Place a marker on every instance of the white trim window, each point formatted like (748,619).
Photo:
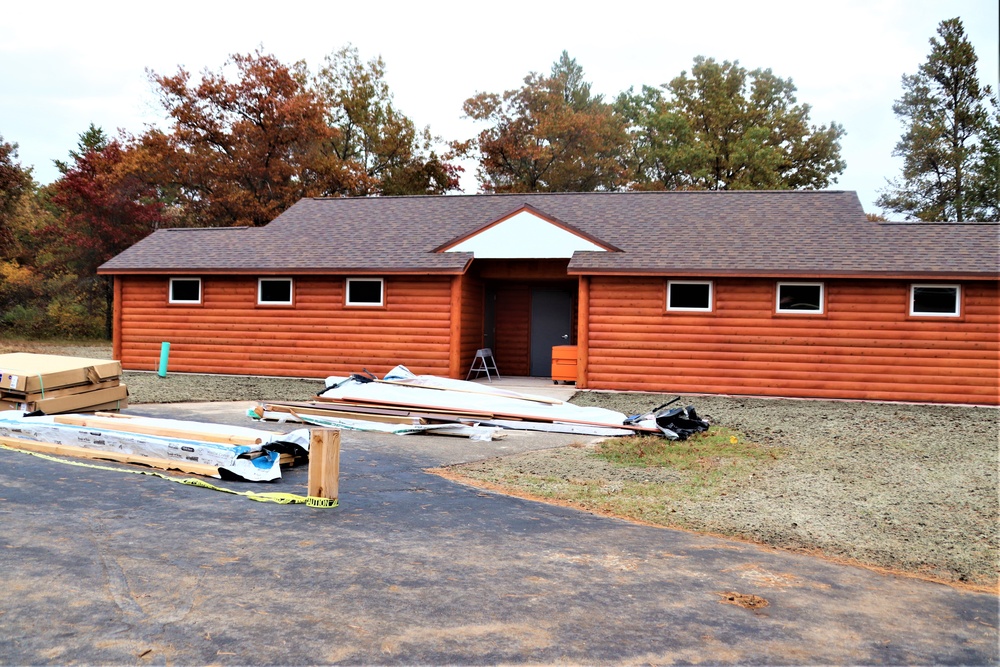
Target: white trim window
(936,300)
(694,296)
(800,298)
(365,292)
(274,291)
(184,290)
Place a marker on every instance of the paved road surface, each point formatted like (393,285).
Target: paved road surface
(111,568)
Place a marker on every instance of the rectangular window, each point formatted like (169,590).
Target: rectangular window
(365,292)
(185,290)
(274,291)
(805,298)
(689,295)
(935,300)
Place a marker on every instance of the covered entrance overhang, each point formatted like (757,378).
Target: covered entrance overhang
(528,308)
(516,296)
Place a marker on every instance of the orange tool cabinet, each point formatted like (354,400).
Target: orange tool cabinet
(564,363)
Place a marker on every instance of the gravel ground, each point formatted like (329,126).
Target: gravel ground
(905,487)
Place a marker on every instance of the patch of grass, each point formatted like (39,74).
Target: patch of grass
(651,478)
(708,461)
(702,451)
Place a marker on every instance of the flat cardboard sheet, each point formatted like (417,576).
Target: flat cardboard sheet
(111,398)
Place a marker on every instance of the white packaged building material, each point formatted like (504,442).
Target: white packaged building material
(258,461)
(402,388)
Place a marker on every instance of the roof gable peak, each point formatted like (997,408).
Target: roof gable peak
(526,233)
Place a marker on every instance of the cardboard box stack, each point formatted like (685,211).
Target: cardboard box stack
(55,384)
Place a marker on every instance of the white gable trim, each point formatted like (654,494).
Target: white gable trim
(525,235)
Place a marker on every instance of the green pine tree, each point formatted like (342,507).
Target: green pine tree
(949,147)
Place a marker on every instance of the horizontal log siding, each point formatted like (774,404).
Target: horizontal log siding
(472,319)
(316,337)
(865,347)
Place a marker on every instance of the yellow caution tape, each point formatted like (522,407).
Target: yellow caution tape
(277,497)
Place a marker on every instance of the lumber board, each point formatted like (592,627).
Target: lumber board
(389,406)
(323,403)
(416,404)
(292,409)
(121,457)
(512,394)
(559,427)
(129,426)
(324,463)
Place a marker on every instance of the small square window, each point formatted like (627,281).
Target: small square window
(687,295)
(274,291)
(935,300)
(185,290)
(365,292)
(804,298)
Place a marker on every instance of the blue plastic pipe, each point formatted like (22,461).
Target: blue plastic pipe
(164,355)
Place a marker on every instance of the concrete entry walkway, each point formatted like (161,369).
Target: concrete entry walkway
(103,567)
(531,385)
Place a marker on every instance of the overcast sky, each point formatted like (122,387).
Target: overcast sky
(64,65)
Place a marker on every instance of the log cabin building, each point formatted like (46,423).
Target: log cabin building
(777,293)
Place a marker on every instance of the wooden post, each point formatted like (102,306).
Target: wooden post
(455,330)
(583,333)
(116,320)
(324,463)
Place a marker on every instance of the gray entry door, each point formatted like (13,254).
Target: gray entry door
(551,323)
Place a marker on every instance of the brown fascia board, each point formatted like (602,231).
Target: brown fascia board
(797,275)
(422,271)
(541,214)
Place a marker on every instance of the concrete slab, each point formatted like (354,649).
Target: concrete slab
(531,385)
(112,568)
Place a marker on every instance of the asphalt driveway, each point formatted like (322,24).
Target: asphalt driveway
(112,568)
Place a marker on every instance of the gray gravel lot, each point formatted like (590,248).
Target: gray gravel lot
(905,487)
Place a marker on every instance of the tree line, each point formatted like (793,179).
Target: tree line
(243,143)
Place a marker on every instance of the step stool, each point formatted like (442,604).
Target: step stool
(484,363)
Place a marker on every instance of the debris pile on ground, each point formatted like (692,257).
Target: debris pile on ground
(53,384)
(674,424)
(402,403)
(167,444)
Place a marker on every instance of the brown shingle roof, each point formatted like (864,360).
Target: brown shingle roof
(745,232)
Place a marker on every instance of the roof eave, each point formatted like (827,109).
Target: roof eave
(340,271)
(886,275)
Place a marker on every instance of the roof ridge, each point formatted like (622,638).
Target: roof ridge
(631,193)
(205,229)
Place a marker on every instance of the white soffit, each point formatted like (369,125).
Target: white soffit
(524,235)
